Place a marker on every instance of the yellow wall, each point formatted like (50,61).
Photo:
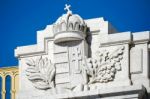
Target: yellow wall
(13,73)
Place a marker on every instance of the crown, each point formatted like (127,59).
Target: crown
(69,27)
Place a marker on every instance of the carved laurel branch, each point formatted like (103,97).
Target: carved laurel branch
(104,67)
(41,73)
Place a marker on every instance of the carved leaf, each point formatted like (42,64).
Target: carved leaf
(30,62)
(41,73)
(41,85)
(104,68)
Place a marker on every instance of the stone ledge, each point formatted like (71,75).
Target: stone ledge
(117,38)
(141,36)
(126,38)
(38,48)
(107,93)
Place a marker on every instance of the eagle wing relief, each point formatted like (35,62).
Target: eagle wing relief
(104,67)
(41,73)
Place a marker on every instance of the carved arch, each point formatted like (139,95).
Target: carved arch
(63,26)
(77,26)
(8,86)
(70,26)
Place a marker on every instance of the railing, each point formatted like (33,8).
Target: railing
(13,73)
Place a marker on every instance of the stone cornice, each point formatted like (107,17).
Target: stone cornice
(141,37)
(126,38)
(117,39)
(42,37)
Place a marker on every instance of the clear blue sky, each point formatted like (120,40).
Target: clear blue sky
(20,19)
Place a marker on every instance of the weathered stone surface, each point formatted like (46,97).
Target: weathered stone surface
(84,59)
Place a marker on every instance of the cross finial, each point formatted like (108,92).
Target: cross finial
(67,8)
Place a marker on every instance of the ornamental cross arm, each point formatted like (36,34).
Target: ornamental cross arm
(67,8)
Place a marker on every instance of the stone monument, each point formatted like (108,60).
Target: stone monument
(84,59)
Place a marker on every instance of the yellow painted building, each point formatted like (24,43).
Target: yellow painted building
(13,73)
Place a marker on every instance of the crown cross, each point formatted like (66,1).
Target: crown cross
(67,8)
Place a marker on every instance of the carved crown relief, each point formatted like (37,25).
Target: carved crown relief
(69,26)
(71,67)
(69,22)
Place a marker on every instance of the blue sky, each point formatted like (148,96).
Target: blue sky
(20,19)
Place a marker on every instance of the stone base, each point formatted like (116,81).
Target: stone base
(130,92)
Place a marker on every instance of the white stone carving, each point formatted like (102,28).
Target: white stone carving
(84,59)
(104,67)
(41,73)
(69,27)
(68,61)
(99,70)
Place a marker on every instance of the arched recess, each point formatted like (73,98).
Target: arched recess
(8,87)
(0,87)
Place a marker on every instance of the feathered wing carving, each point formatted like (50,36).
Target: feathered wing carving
(104,67)
(41,73)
